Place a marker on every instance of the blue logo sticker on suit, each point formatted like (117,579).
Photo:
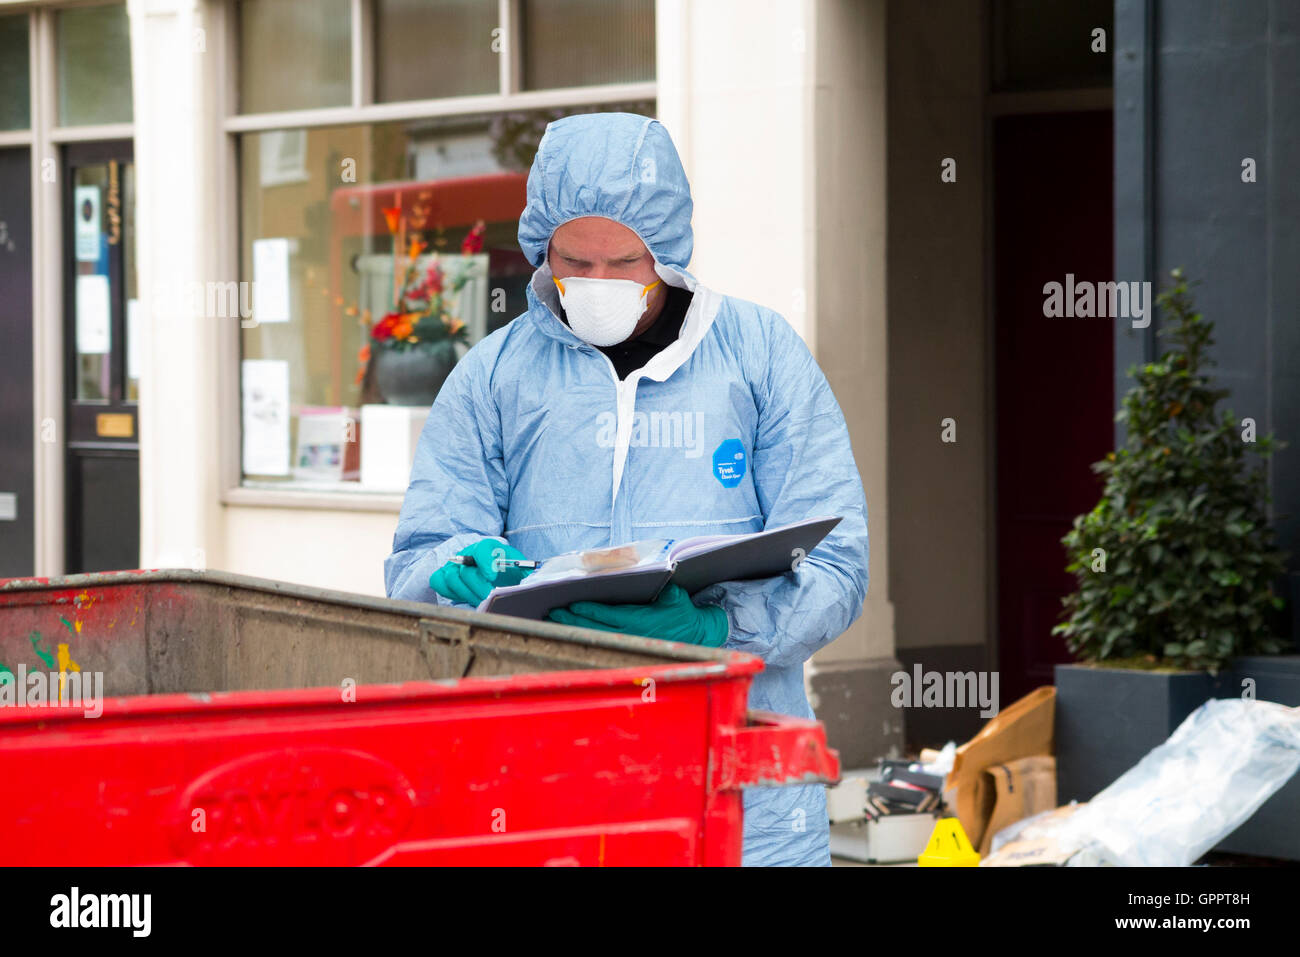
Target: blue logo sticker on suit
(729,463)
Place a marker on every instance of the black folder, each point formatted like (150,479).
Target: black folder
(692,563)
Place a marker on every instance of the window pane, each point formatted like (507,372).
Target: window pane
(426,49)
(294,54)
(587,42)
(15,88)
(94,65)
(92,283)
(328,216)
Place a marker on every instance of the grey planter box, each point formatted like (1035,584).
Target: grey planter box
(1273,830)
(1107,720)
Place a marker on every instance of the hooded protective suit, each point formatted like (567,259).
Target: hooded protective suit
(732,428)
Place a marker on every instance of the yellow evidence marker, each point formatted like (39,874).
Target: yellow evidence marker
(948,847)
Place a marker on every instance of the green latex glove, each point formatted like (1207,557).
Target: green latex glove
(674,617)
(471,583)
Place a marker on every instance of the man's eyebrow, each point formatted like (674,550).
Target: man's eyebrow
(625,258)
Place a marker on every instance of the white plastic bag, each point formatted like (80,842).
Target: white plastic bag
(1191,792)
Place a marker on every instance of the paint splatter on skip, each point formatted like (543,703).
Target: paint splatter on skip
(45,656)
(66,664)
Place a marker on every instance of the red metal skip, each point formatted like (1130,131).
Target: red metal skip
(638,764)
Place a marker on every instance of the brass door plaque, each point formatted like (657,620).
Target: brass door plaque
(115,425)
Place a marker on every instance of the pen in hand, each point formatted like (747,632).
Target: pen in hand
(469,562)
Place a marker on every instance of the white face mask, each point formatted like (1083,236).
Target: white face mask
(603,312)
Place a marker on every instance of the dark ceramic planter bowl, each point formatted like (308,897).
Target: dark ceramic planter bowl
(1107,719)
(413,376)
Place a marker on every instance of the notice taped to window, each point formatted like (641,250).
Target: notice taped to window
(265,389)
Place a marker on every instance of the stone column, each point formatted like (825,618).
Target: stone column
(180,194)
(849,680)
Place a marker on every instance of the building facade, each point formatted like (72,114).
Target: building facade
(206,206)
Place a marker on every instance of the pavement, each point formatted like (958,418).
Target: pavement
(845,862)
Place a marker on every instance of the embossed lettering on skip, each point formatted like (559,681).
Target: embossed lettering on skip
(303,805)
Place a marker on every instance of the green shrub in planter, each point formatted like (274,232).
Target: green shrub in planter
(1176,563)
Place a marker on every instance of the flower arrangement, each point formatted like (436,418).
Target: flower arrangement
(421,316)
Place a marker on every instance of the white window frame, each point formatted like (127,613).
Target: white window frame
(362,110)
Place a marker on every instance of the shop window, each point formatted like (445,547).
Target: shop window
(395,232)
(94,60)
(435,48)
(294,54)
(616,37)
(15,84)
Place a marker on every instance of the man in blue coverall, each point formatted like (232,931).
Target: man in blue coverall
(632,402)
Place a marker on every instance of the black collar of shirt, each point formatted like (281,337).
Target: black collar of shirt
(668,326)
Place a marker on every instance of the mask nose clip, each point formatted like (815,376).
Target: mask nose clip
(645,291)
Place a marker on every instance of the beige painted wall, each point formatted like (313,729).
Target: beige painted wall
(326,548)
(938,358)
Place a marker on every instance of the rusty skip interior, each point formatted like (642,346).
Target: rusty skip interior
(166,632)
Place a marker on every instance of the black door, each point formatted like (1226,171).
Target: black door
(17,522)
(101,379)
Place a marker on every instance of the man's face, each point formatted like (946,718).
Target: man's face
(597,248)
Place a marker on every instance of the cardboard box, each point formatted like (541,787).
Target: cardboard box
(1022,730)
(1022,788)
